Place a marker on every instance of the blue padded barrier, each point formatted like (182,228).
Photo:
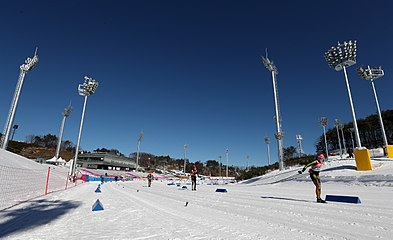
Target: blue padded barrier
(223,190)
(346,199)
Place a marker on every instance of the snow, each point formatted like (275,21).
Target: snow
(278,205)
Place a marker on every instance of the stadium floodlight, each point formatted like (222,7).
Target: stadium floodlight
(324,122)
(137,150)
(66,113)
(371,74)
(267,141)
(185,158)
(13,131)
(299,139)
(279,134)
(351,130)
(24,68)
(227,155)
(341,126)
(339,58)
(87,88)
(337,124)
(219,171)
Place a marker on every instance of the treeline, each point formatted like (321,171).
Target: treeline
(370,133)
(50,141)
(212,167)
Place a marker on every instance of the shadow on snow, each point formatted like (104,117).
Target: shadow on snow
(35,214)
(286,199)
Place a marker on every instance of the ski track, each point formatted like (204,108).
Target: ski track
(159,212)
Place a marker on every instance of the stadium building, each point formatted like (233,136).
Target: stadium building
(106,161)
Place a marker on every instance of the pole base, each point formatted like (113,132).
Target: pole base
(389,151)
(363,160)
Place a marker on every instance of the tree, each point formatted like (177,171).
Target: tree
(289,152)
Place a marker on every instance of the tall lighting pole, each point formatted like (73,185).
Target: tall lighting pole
(24,68)
(66,113)
(337,124)
(227,155)
(299,139)
(85,89)
(138,148)
(267,141)
(371,74)
(351,130)
(339,58)
(219,157)
(341,126)
(279,134)
(324,121)
(13,132)
(185,158)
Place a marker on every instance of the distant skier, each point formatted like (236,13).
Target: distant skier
(314,174)
(193,178)
(350,153)
(149,178)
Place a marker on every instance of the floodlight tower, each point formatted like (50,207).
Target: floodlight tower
(220,166)
(337,124)
(13,131)
(267,141)
(339,58)
(24,68)
(227,155)
(137,150)
(341,126)
(185,158)
(85,89)
(299,139)
(66,113)
(324,122)
(279,134)
(248,158)
(351,130)
(371,74)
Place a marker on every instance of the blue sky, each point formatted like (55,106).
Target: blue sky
(190,72)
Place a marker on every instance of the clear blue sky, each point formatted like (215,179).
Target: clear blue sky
(190,72)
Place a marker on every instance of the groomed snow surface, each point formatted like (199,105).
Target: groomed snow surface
(278,205)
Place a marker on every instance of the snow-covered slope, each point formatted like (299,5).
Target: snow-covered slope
(279,205)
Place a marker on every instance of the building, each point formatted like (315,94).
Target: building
(106,161)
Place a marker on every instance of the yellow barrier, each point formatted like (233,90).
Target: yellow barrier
(362,158)
(389,150)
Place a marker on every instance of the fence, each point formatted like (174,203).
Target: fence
(21,184)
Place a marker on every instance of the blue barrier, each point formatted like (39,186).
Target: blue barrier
(171,184)
(97,206)
(98,179)
(98,190)
(184,187)
(338,198)
(223,190)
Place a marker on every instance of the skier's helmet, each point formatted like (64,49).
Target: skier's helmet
(320,157)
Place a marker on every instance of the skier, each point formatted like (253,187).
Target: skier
(193,178)
(314,174)
(149,178)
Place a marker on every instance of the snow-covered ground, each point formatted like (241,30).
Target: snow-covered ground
(279,205)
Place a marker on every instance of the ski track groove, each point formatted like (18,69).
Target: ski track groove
(287,215)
